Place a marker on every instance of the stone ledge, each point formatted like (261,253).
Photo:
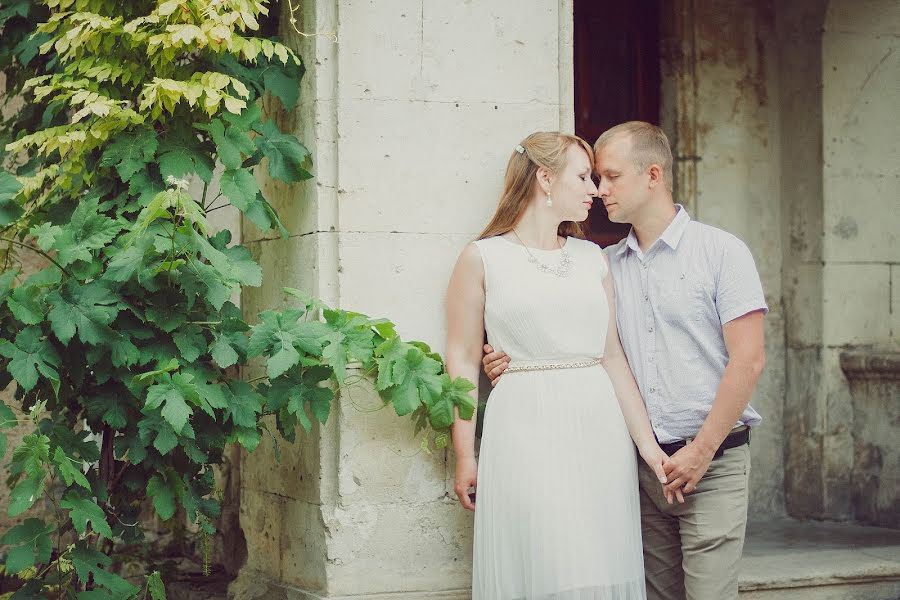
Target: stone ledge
(871,364)
(255,586)
(792,559)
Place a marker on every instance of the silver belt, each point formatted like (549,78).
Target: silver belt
(518,367)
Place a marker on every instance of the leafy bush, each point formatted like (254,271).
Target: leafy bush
(125,348)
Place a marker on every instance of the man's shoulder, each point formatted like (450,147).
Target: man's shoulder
(713,237)
(612,251)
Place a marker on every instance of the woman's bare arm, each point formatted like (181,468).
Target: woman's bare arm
(465,334)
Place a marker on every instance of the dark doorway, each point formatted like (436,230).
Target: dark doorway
(616,79)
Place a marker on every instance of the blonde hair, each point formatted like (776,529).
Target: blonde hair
(545,149)
(649,146)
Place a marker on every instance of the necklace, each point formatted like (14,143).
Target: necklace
(560,270)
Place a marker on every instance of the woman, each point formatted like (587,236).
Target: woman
(557,513)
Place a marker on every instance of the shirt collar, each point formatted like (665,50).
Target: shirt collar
(671,236)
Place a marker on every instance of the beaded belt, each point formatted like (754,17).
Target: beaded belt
(518,367)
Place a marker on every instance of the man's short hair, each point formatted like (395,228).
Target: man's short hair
(649,146)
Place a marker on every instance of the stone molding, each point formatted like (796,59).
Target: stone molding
(871,364)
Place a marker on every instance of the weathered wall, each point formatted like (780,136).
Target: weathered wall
(843,236)
(800,43)
(720,103)
(411,117)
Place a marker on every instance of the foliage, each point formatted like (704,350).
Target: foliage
(143,117)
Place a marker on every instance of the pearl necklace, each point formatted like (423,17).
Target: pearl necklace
(561,270)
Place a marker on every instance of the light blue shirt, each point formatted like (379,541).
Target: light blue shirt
(671,304)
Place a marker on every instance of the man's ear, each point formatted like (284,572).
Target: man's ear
(544,179)
(656,175)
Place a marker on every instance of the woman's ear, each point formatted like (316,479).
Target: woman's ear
(544,179)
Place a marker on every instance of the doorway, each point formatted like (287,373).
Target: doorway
(617,79)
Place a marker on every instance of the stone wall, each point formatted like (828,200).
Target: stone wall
(411,118)
(875,480)
(844,255)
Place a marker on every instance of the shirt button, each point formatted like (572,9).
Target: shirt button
(651,359)
(650,329)
(647,297)
(644,266)
(652,390)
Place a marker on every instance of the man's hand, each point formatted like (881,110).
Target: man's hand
(494,363)
(686,468)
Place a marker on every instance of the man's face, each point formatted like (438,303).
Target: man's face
(622,188)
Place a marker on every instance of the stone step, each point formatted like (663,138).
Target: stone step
(792,560)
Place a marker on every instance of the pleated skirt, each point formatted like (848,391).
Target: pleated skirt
(557,513)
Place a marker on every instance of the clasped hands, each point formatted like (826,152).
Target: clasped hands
(678,474)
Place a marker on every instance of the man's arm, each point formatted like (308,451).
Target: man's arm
(744,340)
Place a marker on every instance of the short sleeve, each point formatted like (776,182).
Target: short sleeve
(739,289)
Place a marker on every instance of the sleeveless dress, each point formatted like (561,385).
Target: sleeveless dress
(557,514)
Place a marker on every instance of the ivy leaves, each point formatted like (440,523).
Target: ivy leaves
(31,356)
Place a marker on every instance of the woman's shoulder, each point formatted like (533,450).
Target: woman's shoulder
(582,245)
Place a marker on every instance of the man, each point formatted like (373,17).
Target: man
(690,310)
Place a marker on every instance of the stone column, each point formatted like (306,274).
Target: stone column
(411,117)
(843,267)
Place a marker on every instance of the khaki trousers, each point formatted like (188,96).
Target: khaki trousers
(692,551)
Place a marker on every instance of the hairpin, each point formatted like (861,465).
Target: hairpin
(520,149)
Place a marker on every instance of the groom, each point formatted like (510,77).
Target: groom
(690,309)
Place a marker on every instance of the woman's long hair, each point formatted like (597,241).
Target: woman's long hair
(542,149)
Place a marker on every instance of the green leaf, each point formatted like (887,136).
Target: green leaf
(31,455)
(181,156)
(414,377)
(7,416)
(69,469)
(155,586)
(115,416)
(170,390)
(30,355)
(86,231)
(166,439)
(240,187)
(190,342)
(335,354)
(223,352)
(129,153)
(45,235)
(124,263)
(83,511)
(163,497)
(232,144)
(457,392)
(88,308)
(10,210)
(32,545)
(288,158)
(23,496)
(91,563)
(26,303)
(282,85)
(243,404)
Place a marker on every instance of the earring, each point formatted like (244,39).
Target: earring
(549,200)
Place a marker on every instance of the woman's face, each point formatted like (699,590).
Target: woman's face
(573,190)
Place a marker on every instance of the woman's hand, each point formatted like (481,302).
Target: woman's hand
(466,477)
(656,459)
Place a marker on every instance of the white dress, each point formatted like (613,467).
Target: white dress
(557,515)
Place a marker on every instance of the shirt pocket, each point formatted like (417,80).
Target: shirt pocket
(681,298)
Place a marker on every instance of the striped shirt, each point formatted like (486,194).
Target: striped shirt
(671,304)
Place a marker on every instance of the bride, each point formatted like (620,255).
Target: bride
(555,484)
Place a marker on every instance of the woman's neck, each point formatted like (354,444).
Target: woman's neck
(537,230)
